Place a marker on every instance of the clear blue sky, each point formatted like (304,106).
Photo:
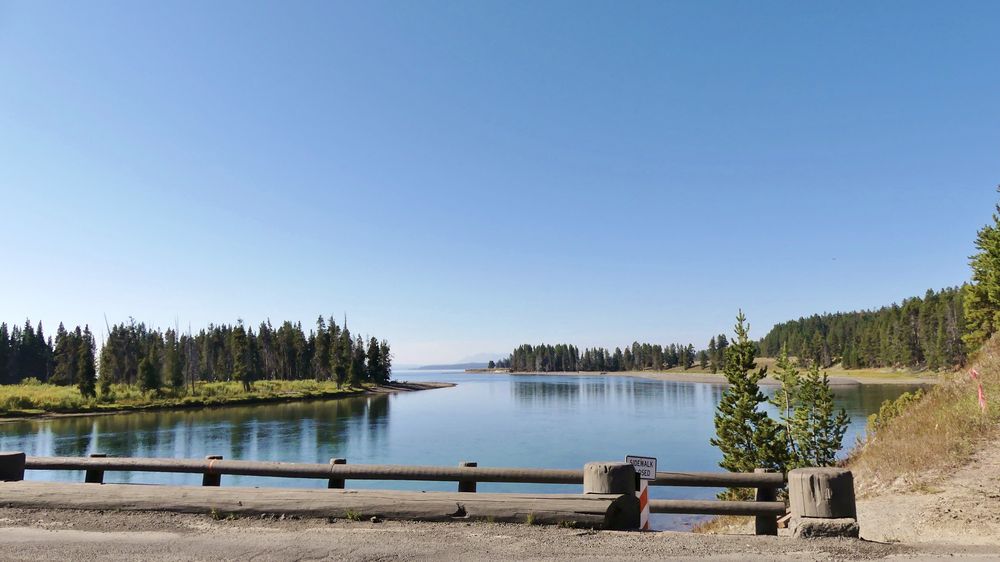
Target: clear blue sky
(461,177)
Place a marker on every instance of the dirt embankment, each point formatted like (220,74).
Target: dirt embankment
(963,508)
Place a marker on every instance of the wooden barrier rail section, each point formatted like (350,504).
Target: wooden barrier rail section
(588,510)
(394,472)
(717,507)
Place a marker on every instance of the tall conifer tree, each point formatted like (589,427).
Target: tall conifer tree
(982,296)
(745,434)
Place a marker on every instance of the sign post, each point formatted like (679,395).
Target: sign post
(646,468)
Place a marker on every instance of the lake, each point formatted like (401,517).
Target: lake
(495,420)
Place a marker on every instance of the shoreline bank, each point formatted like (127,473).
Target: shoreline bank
(703,377)
(389,388)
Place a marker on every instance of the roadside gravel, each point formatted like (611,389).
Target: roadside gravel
(87,535)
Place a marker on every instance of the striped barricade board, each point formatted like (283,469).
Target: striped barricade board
(646,467)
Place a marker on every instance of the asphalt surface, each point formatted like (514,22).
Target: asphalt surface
(89,535)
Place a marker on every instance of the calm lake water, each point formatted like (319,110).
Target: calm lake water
(496,420)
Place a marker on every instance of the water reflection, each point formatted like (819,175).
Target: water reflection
(535,421)
(309,431)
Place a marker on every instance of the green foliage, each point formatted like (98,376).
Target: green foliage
(812,428)
(32,397)
(149,376)
(218,353)
(379,361)
(357,372)
(891,409)
(174,361)
(920,333)
(240,349)
(982,296)
(747,437)
(86,369)
(566,357)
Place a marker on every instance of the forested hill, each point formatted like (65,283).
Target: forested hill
(920,332)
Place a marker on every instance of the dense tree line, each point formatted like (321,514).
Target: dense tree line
(920,332)
(982,295)
(137,355)
(26,353)
(637,357)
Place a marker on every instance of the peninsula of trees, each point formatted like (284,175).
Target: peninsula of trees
(158,362)
(637,357)
(921,333)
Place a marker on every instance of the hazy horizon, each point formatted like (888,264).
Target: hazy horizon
(462,178)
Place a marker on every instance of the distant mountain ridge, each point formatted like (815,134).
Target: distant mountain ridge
(459,366)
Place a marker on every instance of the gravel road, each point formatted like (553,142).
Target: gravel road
(87,535)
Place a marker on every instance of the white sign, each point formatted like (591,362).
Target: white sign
(645,466)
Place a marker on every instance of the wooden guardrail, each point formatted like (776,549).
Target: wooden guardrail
(467,475)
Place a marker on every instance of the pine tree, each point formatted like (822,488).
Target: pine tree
(321,351)
(149,373)
(745,435)
(713,356)
(982,296)
(341,360)
(689,357)
(4,354)
(238,345)
(374,356)
(385,361)
(357,373)
(785,398)
(721,343)
(86,369)
(66,355)
(817,426)
(175,361)
(812,428)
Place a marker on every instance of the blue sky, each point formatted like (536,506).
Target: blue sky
(461,177)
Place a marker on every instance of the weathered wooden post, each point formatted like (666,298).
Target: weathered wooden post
(211,478)
(822,503)
(616,478)
(766,524)
(467,485)
(95,475)
(12,466)
(336,483)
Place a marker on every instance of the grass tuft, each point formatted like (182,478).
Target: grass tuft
(33,398)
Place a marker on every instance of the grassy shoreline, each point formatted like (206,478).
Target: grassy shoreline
(23,401)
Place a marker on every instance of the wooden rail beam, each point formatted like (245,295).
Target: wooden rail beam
(717,507)
(391,472)
(590,510)
(311,470)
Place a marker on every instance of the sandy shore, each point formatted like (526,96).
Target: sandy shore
(718,378)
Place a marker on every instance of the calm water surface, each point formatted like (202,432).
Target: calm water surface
(496,420)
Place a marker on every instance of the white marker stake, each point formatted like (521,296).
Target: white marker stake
(643,494)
